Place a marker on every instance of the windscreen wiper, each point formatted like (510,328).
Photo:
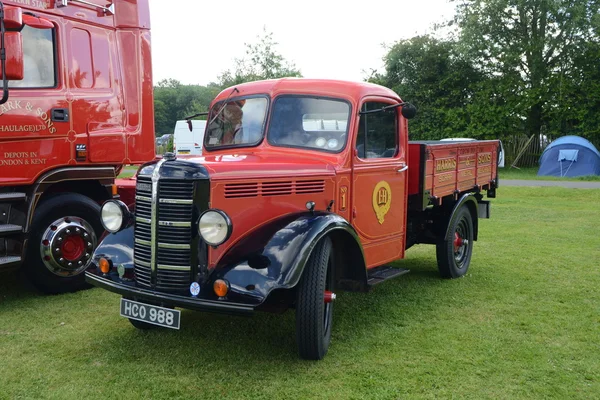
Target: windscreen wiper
(224,104)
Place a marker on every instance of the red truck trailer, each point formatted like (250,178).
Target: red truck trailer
(305,187)
(77,105)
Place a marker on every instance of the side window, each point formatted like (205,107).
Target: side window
(377,132)
(38,49)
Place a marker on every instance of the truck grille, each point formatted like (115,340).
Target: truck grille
(174,234)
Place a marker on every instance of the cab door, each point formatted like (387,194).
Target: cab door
(34,122)
(379,181)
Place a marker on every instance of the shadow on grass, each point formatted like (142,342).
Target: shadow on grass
(206,337)
(15,288)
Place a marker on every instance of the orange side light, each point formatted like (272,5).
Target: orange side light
(115,190)
(104,265)
(221,287)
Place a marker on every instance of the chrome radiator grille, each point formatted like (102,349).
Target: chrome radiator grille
(174,209)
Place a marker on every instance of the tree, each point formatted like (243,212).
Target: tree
(262,61)
(528,47)
(174,101)
(431,74)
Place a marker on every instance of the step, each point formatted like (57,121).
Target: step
(383,273)
(12,197)
(6,261)
(9,229)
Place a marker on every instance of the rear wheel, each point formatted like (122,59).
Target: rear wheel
(63,237)
(314,307)
(454,253)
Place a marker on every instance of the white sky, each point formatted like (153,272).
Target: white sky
(193,41)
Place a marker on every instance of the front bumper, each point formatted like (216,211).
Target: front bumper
(166,299)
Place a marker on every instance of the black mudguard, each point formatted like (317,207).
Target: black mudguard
(469,200)
(117,247)
(271,257)
(274,256)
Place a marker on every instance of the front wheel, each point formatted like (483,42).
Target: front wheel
(64,234)
(314,307)
(454,253)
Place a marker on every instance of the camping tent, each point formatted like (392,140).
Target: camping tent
(570,156)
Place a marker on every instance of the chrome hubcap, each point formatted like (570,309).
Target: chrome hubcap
(67,246)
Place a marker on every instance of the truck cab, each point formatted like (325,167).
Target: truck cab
(76,106)
(305,188)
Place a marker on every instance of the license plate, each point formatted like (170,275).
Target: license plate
(161,316)
(184,152)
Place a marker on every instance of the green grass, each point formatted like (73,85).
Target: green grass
(128,171)
(524,323)
(530,173)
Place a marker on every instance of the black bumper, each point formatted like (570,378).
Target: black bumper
(166,299)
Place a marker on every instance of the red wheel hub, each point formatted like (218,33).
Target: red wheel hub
(329,297)
(73,248)
(458,241)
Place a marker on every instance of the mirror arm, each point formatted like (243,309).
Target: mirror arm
(382,109)
(196,115)
(189,119)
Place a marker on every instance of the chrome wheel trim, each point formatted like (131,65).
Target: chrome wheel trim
(51,246)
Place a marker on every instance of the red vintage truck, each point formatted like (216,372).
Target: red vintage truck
(76,106)
(305,187)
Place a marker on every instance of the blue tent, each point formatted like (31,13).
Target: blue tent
(570,156)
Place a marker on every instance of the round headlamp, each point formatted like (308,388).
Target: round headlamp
(113,215)
(214,227)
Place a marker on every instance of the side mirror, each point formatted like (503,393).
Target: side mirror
(13,66)
(11,43)
(409,111)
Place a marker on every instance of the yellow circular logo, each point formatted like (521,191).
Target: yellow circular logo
(382,199)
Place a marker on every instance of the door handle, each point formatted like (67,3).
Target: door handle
(403,168)
(60,114)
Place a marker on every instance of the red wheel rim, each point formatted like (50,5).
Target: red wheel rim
(458,242)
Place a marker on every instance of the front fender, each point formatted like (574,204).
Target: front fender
(117,247)
(274,256)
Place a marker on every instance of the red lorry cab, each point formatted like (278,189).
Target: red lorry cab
(305,188)
(79,106)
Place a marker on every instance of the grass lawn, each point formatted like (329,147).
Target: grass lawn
(523,323)
(530,173)
(128,171)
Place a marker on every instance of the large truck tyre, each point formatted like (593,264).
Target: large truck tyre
(63,235)
(313,313)
(454,253)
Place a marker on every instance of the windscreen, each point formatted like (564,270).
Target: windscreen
(236,123)
(309,122)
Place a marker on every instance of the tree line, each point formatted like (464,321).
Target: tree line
(499,68)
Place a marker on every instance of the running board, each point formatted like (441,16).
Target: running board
(11,197)
(383,273)
(10,261)
(10,229)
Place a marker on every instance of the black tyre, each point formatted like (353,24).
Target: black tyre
(314,316)
(141,325)
(454,254)
(64,233)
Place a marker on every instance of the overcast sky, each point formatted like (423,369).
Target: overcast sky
(195,40)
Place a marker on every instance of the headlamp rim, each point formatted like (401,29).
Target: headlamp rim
(124,211)
(227,221)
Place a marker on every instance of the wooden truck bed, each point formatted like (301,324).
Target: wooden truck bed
(442,168)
